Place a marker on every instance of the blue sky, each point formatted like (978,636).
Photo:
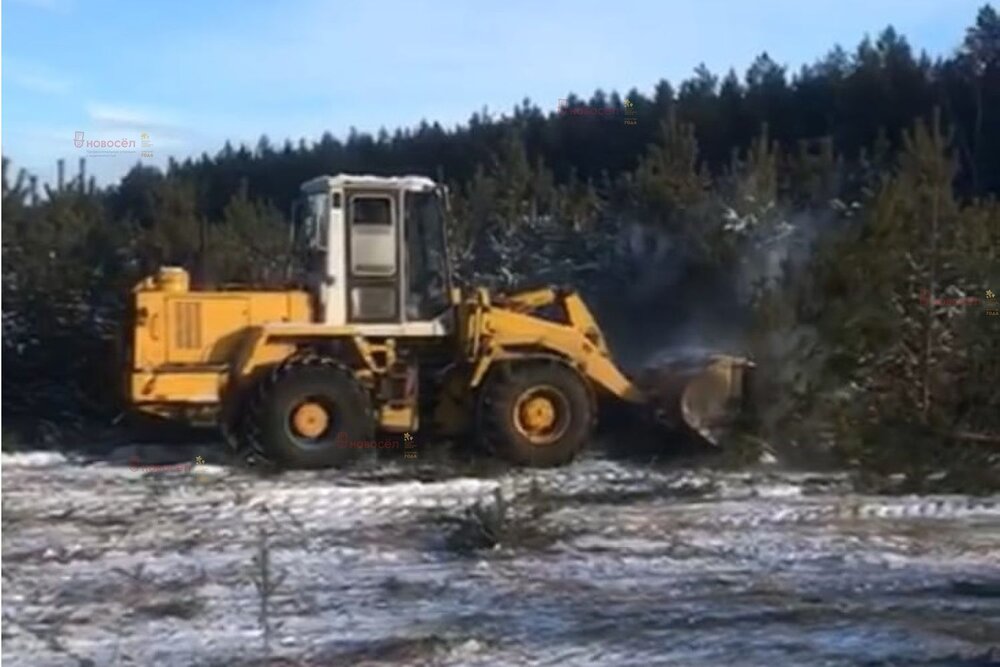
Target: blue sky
(193,74)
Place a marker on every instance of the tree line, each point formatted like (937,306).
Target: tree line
(838,223)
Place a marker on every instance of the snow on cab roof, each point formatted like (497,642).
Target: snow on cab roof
(410,182)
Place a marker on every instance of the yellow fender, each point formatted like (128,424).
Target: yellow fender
(509,330)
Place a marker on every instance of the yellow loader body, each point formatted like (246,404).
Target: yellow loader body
(183,343)
(193,349)
(382,341)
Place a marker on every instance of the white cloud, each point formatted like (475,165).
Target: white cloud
(130,118)
(36,78)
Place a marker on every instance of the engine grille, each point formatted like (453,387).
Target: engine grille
(187,331)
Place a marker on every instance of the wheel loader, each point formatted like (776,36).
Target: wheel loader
(377,340)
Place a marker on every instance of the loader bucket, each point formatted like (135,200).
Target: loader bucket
(699,395)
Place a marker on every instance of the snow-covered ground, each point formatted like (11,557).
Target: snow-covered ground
(598,563)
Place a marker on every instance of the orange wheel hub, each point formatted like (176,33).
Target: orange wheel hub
(310,419)
(539,415)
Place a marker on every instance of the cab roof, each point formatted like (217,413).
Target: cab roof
(325,183)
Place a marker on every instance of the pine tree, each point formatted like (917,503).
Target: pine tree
(670,186)
(897,310)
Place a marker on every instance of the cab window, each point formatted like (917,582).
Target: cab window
(371,211)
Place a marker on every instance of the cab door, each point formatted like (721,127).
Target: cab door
(373,256)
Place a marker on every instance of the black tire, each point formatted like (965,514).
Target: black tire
(501,400)
(315,380)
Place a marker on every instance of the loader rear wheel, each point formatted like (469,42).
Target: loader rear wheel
(536,414)
(311,413)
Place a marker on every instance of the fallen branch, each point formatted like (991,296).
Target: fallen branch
(992,438)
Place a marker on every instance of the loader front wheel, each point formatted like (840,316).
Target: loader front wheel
(535,414)
(311,414)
